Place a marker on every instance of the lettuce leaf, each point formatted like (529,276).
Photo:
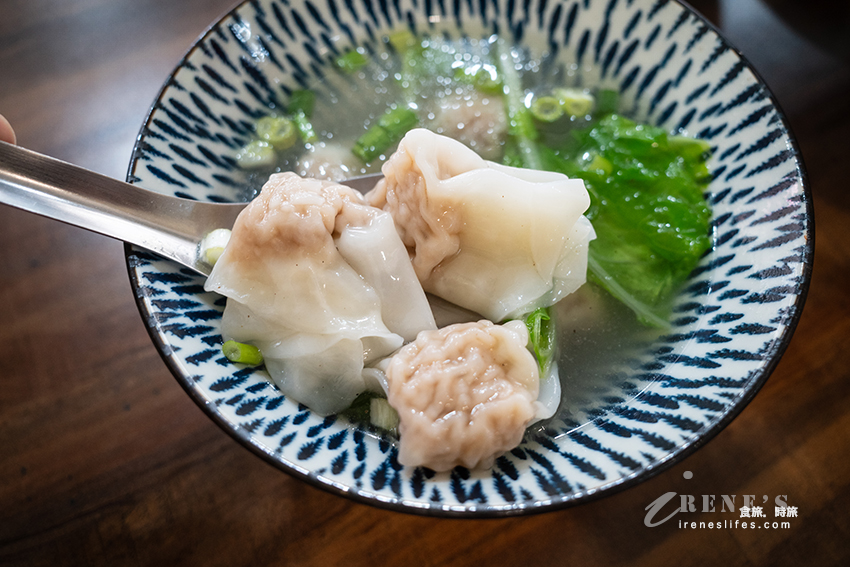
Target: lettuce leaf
(647,206)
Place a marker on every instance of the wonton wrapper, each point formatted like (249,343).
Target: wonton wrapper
(500,241)
(320,283)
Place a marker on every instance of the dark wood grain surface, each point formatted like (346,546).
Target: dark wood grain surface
(104,460)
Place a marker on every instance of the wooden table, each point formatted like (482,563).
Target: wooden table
(104,460)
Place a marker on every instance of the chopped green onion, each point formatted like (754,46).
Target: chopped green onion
(398,121)
(213,245)
(256,154)
(212,254)
(278,131)
(547,108)
(607,101)
(575,102)
(242,353)
(371,408)
(382,415)
(389,129)
(352,61)
(371,144)
(305,127)
(300,108)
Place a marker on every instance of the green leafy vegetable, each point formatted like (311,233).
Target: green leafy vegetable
(647,207)
(541,337)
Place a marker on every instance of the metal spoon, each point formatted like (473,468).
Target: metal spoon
(169,226)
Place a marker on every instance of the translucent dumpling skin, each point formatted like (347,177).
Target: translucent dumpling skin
(321,283)
(330,161)
(476,120)
(464,394)
(497,240)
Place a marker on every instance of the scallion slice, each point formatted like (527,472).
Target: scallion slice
(242,353)
(278,131)
(547,108)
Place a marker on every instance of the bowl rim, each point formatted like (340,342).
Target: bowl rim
(675,456)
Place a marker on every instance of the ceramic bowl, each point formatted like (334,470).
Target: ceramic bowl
(731,323)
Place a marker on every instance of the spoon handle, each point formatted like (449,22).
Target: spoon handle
(169,226)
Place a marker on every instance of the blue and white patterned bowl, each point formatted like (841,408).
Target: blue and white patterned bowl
(732,322)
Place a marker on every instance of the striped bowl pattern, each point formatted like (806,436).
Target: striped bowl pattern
(731,323)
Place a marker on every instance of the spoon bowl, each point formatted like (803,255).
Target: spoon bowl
(172,227)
